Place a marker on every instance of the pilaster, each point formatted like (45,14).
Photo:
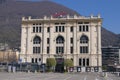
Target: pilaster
(52,41)
(68,38)
(44,39)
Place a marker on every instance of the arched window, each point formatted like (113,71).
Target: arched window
(84,39)
(59,40)
(36,48)
(84,48)
(36,40)
(60,45)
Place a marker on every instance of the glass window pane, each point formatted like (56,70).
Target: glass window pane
(33,29)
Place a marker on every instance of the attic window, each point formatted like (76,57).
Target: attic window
(80,22)
(62,23)
(56,23)
(86,22)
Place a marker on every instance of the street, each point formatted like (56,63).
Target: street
(55,76)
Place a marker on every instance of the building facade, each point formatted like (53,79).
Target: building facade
(111,58)
(70,37)
(8,56)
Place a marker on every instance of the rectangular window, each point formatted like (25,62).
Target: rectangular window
(83,62)
(87,62)
(62,23)
(71,40)
(48,29)
(84,49)
(36,29)
(56,23)
(38,50)
(56,28)
(87,28)
(39,29)
(32,60)
(57,50)
(39,59)
(71,29)
(79,62)
(86,22)
(71,50)
(80,28)
(33,50)
(62,28)
(35,60)
(33,29)
(87,49)
(48,50)
(83,28)
(80,49)
(48,40)
(80,22)
(62,50)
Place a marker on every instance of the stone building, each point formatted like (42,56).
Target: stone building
(8,56)
(64,37)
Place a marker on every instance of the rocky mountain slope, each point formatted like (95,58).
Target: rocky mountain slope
(11,12)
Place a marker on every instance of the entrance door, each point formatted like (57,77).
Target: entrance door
(60,65)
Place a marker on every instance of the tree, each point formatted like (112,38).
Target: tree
(51,63)
(68,63)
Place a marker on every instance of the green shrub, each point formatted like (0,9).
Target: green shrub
(68,63)
(51,63)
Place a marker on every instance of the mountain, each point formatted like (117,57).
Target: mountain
(118,42)
(109,38)
(11,12)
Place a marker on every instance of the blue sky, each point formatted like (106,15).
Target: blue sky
(108,9)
